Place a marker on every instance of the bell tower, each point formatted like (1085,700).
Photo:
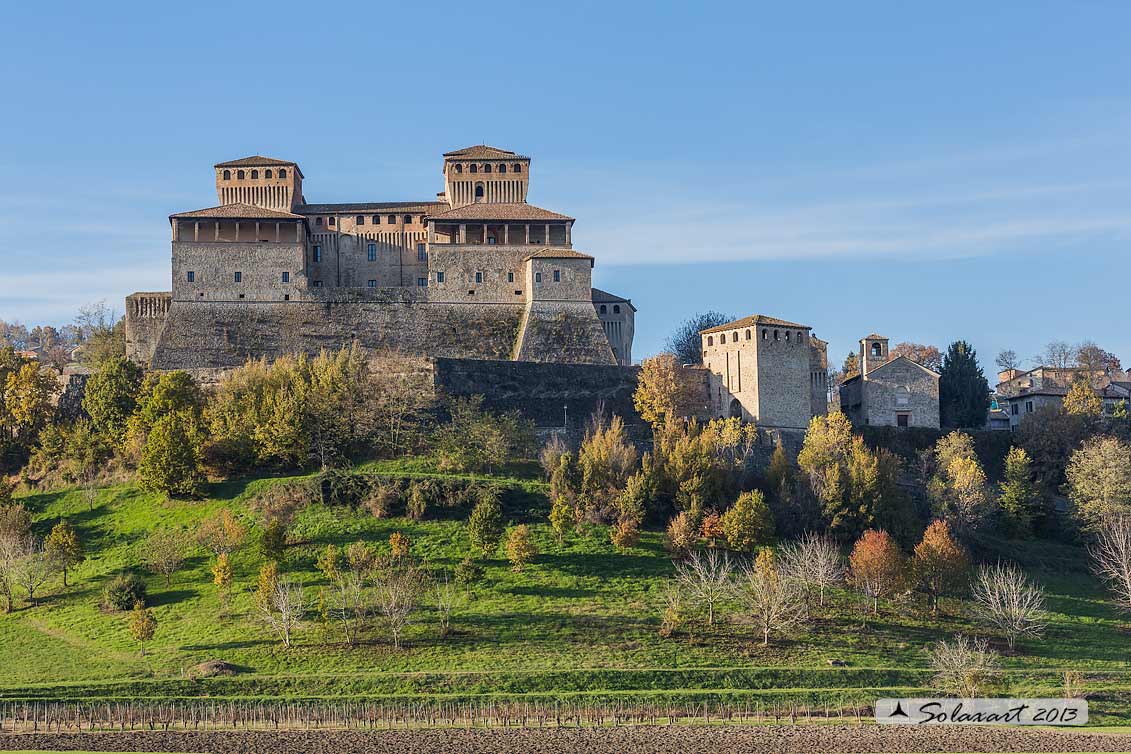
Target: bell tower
(485,175)
(261,182)
(873,352)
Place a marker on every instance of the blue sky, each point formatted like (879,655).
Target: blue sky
(930,172)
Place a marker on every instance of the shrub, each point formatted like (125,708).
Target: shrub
(468,572)
(625,533)
(273,540)
(682,534)
(399,544)
(382,498)
(520,547)
(748,523)
(417,500)
(485,525)
(123,591)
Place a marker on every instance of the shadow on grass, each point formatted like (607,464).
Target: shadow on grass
(549,591)
(245,644)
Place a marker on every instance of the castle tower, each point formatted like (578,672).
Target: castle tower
(484,175)
(873,352)
(261,182)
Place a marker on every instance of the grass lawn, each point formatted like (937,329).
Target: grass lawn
(581,621)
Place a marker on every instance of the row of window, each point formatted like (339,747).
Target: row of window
(420,282)
(360,220)
(605,309)
(237,277)
(765,336)
(474,168)
(240,175)
(371,252)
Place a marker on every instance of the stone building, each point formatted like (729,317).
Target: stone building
(477,273)
(766,370)
(1021,393)
(891,392)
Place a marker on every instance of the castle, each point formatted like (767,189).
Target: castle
(478,273)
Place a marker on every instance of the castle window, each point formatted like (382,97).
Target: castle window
(510,277)
(317,283)
(710,340)
(255,174)
(479,191)
(239,277)
(502,168)
(282,172)
(734,337)
(359,220)
(286,297)
(421,282)
(722,338)
(748,335)
(239,175)
(800,337)
(765,334)
(421,253)
(371,252)
(376,220)
(474,168)
(776,335)
(227,175)
(440,276)
(330,220)
(479,277)
(191,276)
(266,173)
(286,277)
(604,309)
(557,276)
(459,168)
(370,283)
(537,277)
(518,168)
(407,219)
(787,336)
(317,252)
(318,221)
(486,168)
(616,308)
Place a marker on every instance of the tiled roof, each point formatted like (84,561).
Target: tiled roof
(601,296)
(556,254)
(363,207)
(874,336)
(486,211)
(254,160)
(485,152)
(755,319)
(238,212)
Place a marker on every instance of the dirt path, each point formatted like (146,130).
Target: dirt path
(626,740)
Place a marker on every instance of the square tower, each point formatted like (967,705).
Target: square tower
(873,352)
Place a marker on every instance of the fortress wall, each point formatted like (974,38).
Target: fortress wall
(261,266)
(460,263)
(145,319)
(560,331)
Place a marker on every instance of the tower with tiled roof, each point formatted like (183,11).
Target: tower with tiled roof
(484,174)
(261,182)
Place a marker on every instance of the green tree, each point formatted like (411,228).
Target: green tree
(170,459)
(964,393)
(273,540)
(28,401)
(1018,495)
(142,625)
(63,548)
(564,489)
(748,523)
(222,576)
(662,391)
(110,396)
(520,547)
(686,343)
(1099,480)
(474,439)
(1083,400)
(485,525)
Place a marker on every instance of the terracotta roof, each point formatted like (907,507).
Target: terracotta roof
(556,254)
(485,152)
(755,319)
(239,212)
(486,211)
(874,336)
(363,207)
(254,160)
(602,296)
(896,359)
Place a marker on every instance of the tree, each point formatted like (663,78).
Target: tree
(851,366)
(1018,496)
(163,552)
(1057,354)
(170,459)
(1099,480)
(485,525)
(221,533)
(281,602)
(100,332)
(877,566)
(706,579)
(520,548)
(605,461)
(1110,553)
(663,392)
(957,487)
(273,540)
(1007,360)
(1010,602)
(348,575)
(1083,400)
(964,668)
(64,548)
(748,523)
(1096,361)
(28,401)
(565,488)
(814,562)
(398,588)
(964,393)
(630,508)
(939,563)
(33,568)
(682,534)
(222,578)
(923,355)
(474,439)
(142,625)
(110,396)
(774,602)
(686,344)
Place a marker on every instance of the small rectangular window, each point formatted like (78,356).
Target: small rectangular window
(317,252)
(317,283)
(422,282)
(440,276)
(510,277)
(537,277)
(376,219)
(318,221)
(421,253)
(286,277)
(372,252)
(330,221)
(1014,407)
(479,277)
(371,284)
(1028,407)
(239,277)
(392,219)
(557,276)
(191,276)
(359,220)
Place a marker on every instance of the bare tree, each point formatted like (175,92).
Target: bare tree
(445,597)
(1007,360)
(964,667)
(815,562)
(1111,557)
(1058,354)
(163,552)
(10,550)
(283,607)
(706,578)
(33,567)
(1010,602)
(776,603)
(399,586)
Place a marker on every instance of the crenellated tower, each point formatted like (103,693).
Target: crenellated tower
(261,182)
(483,174)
